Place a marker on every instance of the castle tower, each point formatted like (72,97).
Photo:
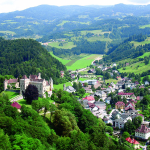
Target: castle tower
(24,82)
(5,84)
(51,84)
(39,75)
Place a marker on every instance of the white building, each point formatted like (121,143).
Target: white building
(142,132)
(42,85)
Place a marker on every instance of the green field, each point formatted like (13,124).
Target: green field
(137,68)
(147,41)
(65,21)
(111,80)
(60,86)
(66,45)
(145,26)
(23,102)
(11,94)
(83,62)
(145,54)
(8,32)
(64,61)
(98,38)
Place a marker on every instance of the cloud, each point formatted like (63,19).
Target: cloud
(140,1)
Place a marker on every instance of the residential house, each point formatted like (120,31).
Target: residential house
(107,120)
(134,143)
(120,105)
(101,94)
(113,85)
(136,83)
(107,100)
(141,87)
(87,90)
(91,71)
(119,85)
(129,106)
(73,76)
(142,132)
(89,82)
(126,95)
(129,85)
(100,105)
(116,114)
(90,99)
(70,89)
(11,83)
(146,83)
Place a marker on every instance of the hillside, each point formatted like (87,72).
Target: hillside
(19,57)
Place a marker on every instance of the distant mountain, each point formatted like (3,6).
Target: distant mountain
(45,19)
(21,56)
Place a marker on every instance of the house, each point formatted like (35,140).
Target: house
(126,95)
(146,83)
(127,64)
(91,71)
(115,115)
(107,100)
(11,83)
(101,94)
(142,132)
(120,105)
(136,83)
(90,99)
(15,104)
(139,98)
(129,84)
(87,90)
(121,121)
(114,65)
(113,85)
(100,105)
(73,76)
(70,89)
(89,82)
(134,143)
(129,106)
(141,87)
(42,85)
(61,74)
(107,120)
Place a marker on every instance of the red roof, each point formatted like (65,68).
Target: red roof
(91,105)
(120,103)
(15,104)
(24,77)
(121,93)
(89,98)
(12,80)
(142,129)
(132,141)
(33,76)
(138,98)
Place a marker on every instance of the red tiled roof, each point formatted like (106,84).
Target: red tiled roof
(120,103)
(138,98)
(15,104)
(132,141)
(121,93)
(33,76)
(91,105)
(12,80)
(142,129)
(24,77)
(89,98)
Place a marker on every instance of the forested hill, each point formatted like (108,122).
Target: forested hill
(128,49)
(27,56)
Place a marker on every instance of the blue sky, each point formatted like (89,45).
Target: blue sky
(13,5)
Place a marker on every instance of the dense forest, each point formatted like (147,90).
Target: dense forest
(70,127)
(21,56)
(126,49)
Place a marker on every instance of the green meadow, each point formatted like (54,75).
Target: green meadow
(60,86)
(147,41)
(144,55)
(7,32)
(93,31)
(11,94)
(145,26)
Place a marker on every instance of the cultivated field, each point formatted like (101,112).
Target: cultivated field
(147,41)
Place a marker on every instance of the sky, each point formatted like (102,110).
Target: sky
(13,5)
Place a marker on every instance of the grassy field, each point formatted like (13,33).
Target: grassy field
(111,80)
(23,102)
(66,45)
(84,62)
(147,41)
(145,54)
(8,32)
(98,38)
(64,61)
(60,86)
(145,26)
(137,68)
(11,94)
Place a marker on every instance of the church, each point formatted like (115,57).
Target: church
(42,84)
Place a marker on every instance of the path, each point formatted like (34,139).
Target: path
(98,58)
(16,98)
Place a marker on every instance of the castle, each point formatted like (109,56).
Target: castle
(42,85)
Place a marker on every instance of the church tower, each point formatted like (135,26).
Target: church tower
(51,84)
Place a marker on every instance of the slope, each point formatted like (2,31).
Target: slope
(22,56)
